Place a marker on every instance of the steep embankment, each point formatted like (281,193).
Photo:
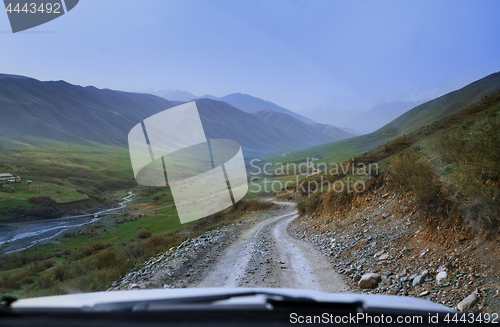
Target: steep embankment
(389,235)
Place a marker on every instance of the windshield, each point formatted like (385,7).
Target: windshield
(331,146)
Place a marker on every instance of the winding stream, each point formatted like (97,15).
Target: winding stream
(19,236)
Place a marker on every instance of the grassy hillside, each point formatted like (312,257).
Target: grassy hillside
(450,167)
(412,120)
(289,124)
(335,133)
(66,173)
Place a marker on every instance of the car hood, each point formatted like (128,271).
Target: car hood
(86,300)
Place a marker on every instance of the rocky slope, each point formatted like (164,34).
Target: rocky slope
(384,246)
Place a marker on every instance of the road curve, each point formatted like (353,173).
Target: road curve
(266,255)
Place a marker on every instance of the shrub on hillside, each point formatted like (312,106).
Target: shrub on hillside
(37,267)
(15,281)
(476,151)
(338,201)
(60,273)
(143,234)
(105,259)
(45,282)
(89,250)
(301,206)
(313,203)
(10,283)
(14,260)
(414,173)
(135,250)
(252,205)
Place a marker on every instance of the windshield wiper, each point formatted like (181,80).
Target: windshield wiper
(271,300)
(6,305)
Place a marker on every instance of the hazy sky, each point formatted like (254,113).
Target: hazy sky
(294,53)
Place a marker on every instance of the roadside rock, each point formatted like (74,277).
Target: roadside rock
(369,280)
(167,267)
(467,303)
(441,276)
(384,257)
(418,281)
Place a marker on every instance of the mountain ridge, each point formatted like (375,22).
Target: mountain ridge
(60,111)
(309,132)
(250,104)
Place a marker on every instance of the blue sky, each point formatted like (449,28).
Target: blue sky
(294,53)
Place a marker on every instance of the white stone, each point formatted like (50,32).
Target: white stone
(442,276)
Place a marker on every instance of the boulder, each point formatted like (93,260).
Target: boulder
(369,280)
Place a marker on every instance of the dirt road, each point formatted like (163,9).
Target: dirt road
(256,251)
(266,255)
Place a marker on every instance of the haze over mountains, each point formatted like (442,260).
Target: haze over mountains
(60,111)
(422,115)
(175,95)
(376,117)
(355,115)
(308,132)
(366,115)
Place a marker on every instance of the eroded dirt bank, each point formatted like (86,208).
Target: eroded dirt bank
(386,234)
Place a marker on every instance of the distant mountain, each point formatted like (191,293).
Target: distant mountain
(31,109)
(366,115)
(252,104)
(209,96)
(176,95)
(69,113)
(351,131)
(337,111)
(313,133)
(371,120)
(13,76)
(335,133)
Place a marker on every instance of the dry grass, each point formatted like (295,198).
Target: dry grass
(413,173)
(469,157)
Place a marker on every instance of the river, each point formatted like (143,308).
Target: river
(19,236)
